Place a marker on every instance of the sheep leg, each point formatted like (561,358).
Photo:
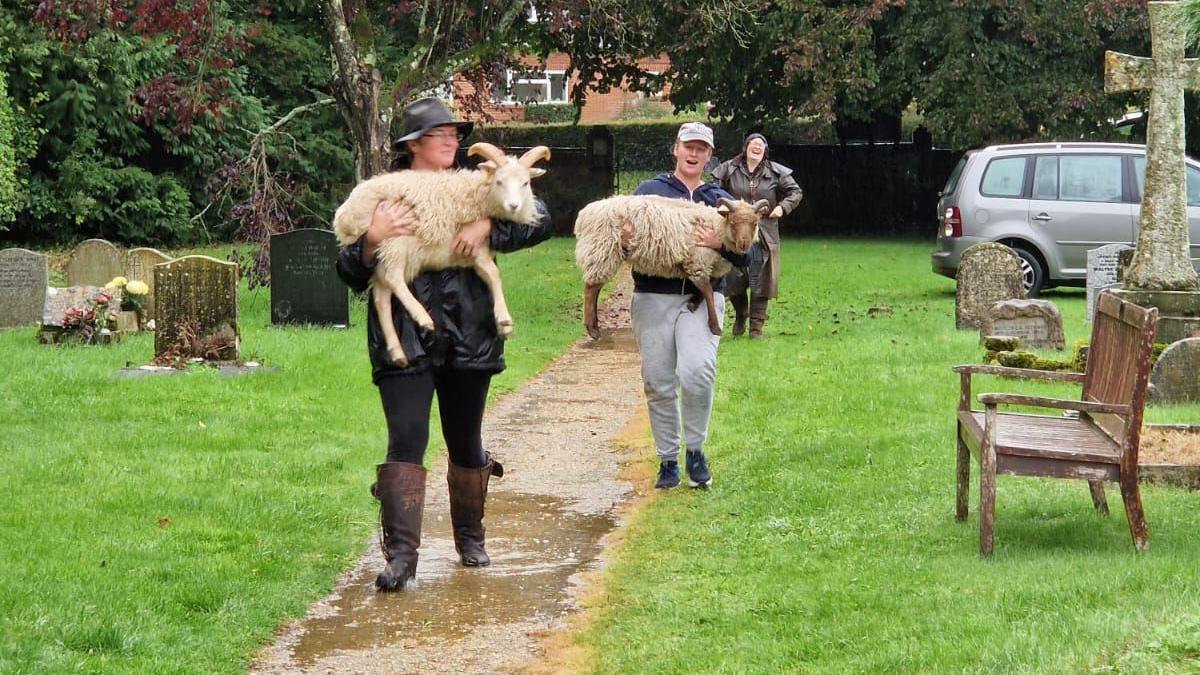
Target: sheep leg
(591,296)
(704,285)
(381,295)
(486,268)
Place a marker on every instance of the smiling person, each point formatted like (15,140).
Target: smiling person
(678,351)
(752,176)
(456,361)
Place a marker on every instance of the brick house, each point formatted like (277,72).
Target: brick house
(546,82)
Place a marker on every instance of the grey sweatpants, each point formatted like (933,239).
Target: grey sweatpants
(679,367)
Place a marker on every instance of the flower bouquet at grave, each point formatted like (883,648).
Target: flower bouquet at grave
(92,320)
(133,297)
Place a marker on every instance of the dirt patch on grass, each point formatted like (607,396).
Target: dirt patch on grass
(1164,445)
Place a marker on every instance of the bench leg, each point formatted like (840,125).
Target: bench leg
(963,478)
(987,481)
(1098,498)
(1133,510)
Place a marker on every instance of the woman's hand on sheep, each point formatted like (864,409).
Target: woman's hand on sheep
(391,219)
(471,237)
(706,236)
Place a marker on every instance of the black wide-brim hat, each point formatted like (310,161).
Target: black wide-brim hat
(425,114)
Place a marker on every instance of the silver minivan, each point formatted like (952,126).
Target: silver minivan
(1052,203)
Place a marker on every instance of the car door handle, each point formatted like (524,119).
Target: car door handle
(1042,216)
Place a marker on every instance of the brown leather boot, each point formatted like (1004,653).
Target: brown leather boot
(758,316)
(468,492)
(400,489)
(739,313)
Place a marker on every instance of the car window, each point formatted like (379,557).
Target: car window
(1193,180)
(1004,177)
(1089,178)
(952,181)
(1045,177)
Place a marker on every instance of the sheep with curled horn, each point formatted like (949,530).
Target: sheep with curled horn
(443,202)
(663,244)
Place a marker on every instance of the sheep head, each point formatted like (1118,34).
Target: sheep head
(741,221)
(508,180)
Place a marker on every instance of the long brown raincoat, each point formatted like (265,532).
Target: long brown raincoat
(773,182)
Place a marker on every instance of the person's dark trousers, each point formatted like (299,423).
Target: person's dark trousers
(758,316)
(741,310)
(400,489)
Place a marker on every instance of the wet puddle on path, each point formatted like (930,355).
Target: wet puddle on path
(557,436)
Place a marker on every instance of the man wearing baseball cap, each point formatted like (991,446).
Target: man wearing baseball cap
(679,353)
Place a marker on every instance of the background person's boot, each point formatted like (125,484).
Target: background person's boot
(758,316)
(400,489)
(468,493)
(740,311)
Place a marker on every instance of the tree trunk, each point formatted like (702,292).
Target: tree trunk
(356,85)
(1163,261)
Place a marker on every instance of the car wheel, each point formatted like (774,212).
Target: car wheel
(1033,273)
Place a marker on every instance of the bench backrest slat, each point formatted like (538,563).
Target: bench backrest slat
(1118,365)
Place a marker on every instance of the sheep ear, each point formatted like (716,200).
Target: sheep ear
(537,173)
(487,167)
(723,209)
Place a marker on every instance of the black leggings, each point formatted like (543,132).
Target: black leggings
(407,400)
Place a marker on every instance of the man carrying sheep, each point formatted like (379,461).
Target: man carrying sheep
(678,351)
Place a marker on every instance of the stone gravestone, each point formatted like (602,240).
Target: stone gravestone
(1102,268)
(987,274)
(139,265)
(1037,323)
(1176,375)
(196,293)
(305,287)
(24,276)
(95,262)
(59,300)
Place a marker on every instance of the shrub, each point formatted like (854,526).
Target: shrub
(549,113)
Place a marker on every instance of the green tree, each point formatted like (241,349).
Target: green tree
(10,189)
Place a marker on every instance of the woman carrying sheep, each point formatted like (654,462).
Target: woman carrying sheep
(456,361)
(678,351)
(752,176)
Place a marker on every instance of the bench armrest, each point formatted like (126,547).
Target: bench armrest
(992,400)
(1020,373)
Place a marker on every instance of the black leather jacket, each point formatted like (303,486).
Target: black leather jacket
(458,301)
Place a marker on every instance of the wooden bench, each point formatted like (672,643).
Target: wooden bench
(1099,443)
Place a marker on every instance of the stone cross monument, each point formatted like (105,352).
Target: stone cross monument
(1162,261)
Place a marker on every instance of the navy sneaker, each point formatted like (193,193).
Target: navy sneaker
(668,475)
(697,468)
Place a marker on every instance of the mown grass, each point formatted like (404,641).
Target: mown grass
(828,542)
(169,524)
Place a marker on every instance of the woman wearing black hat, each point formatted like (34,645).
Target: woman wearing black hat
(456,361)
(751,176)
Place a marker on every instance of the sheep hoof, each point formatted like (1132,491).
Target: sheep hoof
(398,357)
(593,331)
(504,328)
(693,304)
(715,329)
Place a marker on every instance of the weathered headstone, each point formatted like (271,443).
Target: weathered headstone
(139,266)
(94,262)
(987,274)
(1037,323)
(59,300)
(1176,375)
(197,295)
(1102,272)
(305,287)
(24,276)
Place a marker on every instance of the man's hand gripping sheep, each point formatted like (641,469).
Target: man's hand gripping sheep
(443,201)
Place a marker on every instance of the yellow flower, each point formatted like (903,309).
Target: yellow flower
(117,282)
(137,288)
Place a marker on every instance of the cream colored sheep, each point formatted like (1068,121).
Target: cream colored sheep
(443,201)
(663,244)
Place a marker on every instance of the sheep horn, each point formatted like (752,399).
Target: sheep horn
(487,151)
(760,205)
(534,155)
(727,203)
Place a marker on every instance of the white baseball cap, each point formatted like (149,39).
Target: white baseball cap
(695,131)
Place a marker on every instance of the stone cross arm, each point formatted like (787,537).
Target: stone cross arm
(1123,72)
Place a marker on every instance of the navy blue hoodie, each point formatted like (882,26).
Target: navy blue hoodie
(667,185)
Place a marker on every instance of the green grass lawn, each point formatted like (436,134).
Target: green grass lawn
(167,525)
(828,542)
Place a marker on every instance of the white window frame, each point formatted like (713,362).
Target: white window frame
(511,78)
